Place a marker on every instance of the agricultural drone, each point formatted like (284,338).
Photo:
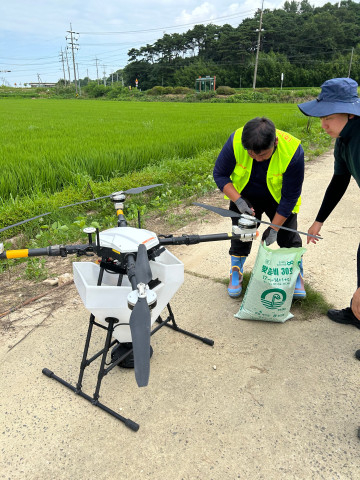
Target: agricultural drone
(128,288)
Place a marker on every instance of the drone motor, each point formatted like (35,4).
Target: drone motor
(246,228)
(142,292)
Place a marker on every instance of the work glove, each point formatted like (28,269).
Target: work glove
(244,206)
(269,236)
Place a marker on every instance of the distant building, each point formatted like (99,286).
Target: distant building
(42,84)
(205,84)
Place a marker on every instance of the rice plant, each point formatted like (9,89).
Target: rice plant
(50,144)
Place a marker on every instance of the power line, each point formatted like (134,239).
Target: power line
(235,15)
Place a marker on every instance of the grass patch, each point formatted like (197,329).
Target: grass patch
(313,305)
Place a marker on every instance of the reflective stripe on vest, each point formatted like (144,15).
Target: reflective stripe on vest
(286,147)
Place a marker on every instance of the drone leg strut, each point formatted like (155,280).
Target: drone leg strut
(174,326)
(84,362)
(102,371)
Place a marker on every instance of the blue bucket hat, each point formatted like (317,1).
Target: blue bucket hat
(338,95)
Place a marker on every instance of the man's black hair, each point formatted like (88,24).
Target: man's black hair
(258,134)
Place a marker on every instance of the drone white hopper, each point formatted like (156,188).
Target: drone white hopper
(110,300)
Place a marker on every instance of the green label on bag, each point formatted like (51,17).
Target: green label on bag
(273,298)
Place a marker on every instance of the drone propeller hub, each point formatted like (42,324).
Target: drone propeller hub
(143,291)
(247,221)
(246,228)
(118,197)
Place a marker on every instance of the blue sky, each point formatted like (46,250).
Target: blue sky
(33,33)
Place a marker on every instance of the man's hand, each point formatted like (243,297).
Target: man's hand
(314,230)
(244,206)
(355,304)
(269,236)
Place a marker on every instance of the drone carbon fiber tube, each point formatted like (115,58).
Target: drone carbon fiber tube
(52,251)
(193,239)
(34,252)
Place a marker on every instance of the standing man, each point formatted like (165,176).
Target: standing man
(338,107)
(271,184)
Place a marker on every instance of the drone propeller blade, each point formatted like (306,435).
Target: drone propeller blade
(142,189)
(131,191)
(140,326)
(84,201)
(230,213)
(142,266)
(221,211)
(24,221)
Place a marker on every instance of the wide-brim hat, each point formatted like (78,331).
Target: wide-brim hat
(338,95)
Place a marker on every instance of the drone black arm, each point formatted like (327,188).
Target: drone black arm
(193,239)
(51,251)
(130,268)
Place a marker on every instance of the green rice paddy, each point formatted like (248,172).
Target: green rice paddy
(47,145)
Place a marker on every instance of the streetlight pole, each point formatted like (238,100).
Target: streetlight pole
(258,45)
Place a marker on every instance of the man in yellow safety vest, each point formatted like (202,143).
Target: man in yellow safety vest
(271,184)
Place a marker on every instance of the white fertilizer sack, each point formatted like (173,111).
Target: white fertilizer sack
(271,287)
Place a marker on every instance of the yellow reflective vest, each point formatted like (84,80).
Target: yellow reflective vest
(286,147)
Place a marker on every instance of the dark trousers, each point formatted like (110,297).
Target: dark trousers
(284,239)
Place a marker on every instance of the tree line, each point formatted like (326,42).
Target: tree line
(306,44)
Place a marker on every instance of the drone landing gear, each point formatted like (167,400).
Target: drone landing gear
(121,357)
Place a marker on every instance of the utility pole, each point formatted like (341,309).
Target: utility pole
(97,70)
(351,57)
(258,45)
(3,79)
(104,78)
(77,66)
(68,67)
(63,64)
(73,47)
